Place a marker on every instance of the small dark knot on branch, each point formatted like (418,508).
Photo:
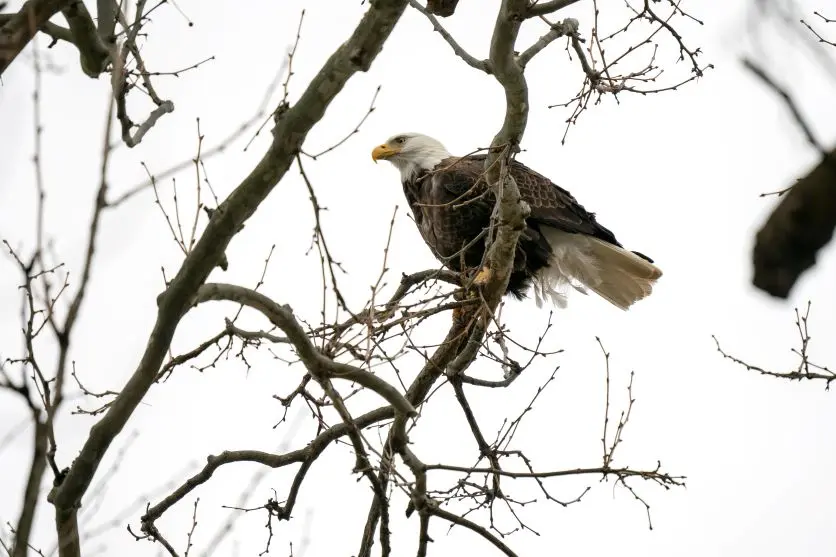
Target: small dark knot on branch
(283,107)
(360,60)
(59,478)
(274,508)
(443,8)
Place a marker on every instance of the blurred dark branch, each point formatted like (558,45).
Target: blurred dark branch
(788,100)
(206,154)
(17,31)
(52,30)
(801,224)
(92,43)
(397,440)
(805,217)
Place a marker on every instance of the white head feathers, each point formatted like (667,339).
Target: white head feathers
(411,153)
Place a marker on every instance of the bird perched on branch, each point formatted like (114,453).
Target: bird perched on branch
(562,244)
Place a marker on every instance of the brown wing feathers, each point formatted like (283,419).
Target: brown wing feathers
(452,208)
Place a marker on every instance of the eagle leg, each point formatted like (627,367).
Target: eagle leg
(482,277)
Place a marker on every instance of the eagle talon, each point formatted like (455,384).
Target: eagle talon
(482,277)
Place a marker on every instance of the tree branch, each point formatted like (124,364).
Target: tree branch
(292,126)
(54,31)
(19,30)
(396,441)
(761,74)
(93,52)
(37,468)
(306,457)
(565,28)
(510,211)
(472,61)
(107,12)
(282,317)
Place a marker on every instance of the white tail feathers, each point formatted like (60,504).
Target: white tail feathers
(617,275)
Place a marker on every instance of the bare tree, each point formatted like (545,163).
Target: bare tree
(338,358)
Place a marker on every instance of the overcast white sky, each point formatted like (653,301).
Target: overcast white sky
(675,175)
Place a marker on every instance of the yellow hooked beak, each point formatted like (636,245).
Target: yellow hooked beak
(384,152)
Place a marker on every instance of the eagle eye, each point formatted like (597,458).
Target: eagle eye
(400,140)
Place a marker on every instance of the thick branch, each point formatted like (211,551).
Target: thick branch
(66,524)
(510,211)
(54,31)
(31,494)
(509,73)
(19,30)
(803,221)
(107,11)
(761,74)
(356,54)
(93,52)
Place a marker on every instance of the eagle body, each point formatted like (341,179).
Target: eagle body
(562,243)
(452,215)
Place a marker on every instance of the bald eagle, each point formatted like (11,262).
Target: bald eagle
(562,243)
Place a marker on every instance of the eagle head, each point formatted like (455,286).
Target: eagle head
(411,153)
